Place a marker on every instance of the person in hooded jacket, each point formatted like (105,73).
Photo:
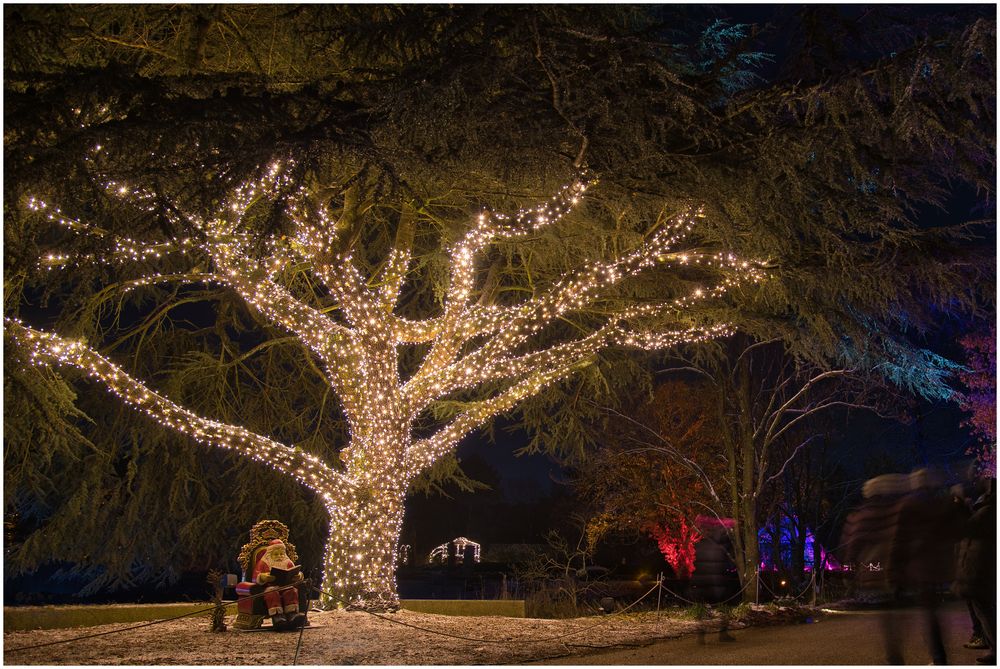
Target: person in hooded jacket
(867,544)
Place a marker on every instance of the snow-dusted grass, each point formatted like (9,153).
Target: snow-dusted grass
(339,637)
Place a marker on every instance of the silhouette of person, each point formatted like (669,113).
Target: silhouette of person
(868,532)
(709,581)
(975,576)
(867,545)
(922,556)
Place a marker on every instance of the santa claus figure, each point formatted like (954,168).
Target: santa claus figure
(282,603)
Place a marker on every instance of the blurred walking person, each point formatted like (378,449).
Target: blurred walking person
(922,556)
(975,577)
(868,532)
(712,562)
(867,543)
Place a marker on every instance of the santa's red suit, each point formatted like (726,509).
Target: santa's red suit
(285,600)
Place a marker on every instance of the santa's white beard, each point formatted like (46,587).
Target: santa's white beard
(277,561)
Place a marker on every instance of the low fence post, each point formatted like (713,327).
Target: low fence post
(659,592)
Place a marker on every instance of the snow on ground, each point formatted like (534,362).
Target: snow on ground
(341,638)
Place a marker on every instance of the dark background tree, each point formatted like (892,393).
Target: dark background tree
(822,164)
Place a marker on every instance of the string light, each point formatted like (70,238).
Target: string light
(364,492)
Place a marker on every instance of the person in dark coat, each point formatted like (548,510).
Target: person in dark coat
(901,541)
(975,575)
(868,532)
(967,494)
(710,581)
(867,543)
(922,556)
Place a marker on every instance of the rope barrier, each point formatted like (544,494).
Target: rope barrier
(298,644)
(659,585)
(135,627)
(478,640)
(796,597)
(688,601)
(334,597)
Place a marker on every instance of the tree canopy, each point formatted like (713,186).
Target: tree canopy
(820,159)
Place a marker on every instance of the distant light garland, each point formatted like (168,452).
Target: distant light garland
(365,493)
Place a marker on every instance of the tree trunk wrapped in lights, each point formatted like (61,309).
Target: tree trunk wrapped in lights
(494,350)
(360,561)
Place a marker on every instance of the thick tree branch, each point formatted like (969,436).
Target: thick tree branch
(47,349)
(489,228)
(472,371)
(391,278)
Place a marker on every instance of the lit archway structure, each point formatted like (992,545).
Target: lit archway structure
(441,552)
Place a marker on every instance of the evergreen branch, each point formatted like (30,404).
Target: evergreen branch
(131,45)
(246,355)
(556,98)
(123,249)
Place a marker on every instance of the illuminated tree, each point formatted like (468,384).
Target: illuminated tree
(771,411)
(676,543)
(469,345)
(748,417)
